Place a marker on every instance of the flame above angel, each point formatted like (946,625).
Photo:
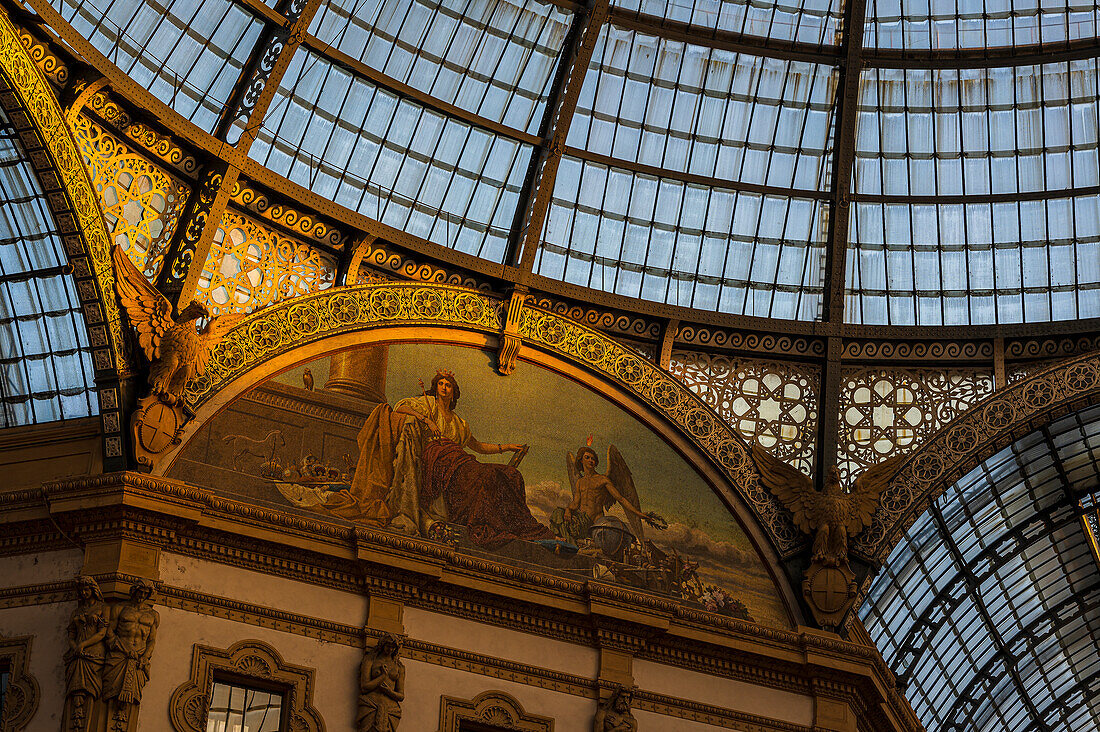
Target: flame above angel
(832,515)
(176,348)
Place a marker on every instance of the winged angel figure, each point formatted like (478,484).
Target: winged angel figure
(833,514)
(176,348)
(594,493)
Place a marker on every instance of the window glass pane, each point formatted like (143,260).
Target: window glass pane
(705,111)
(188,53)
(391,159)
(668,241)
(989,597)
(235,708)
(977,23)
(806,21)
(495,58)
(45,359)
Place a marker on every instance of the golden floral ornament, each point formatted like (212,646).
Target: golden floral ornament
(287,326)
(973,437)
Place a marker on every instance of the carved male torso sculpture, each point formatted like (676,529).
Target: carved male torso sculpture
(614,714)
(130,643)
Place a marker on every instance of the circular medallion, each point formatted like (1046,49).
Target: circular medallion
(829,590)
(159,423)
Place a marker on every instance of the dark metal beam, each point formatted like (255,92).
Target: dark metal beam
(538,185)
(983,58)
(726,40)
(836,249)
(702,180)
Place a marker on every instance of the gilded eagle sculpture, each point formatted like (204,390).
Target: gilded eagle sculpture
(832,515)
(176,348)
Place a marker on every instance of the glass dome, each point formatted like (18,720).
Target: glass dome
(698,151)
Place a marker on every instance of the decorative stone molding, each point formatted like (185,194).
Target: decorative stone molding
(248,659)
(492,708)
(21,697)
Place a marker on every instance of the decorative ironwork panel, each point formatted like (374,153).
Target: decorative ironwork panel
(770,402)
(141,202)
(885,412)
(251,266)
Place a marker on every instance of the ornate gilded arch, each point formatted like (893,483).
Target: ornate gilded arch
(34,111)
(277,330)
(977,435)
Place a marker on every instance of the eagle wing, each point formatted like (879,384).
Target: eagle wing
(864,493)
(149,312)
(794,489)
(619,475)
(212,335)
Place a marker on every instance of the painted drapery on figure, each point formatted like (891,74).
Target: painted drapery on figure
(414,470)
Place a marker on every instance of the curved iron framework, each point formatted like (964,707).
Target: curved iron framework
(995,592)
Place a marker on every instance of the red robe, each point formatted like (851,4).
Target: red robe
(489,498)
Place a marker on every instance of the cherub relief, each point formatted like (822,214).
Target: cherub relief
(594,493)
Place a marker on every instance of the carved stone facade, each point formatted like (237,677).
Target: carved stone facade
(247,661)
(21,697)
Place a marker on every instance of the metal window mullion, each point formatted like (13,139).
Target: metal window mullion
(664,155)
(447,46)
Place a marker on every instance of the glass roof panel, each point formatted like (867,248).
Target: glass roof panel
(389,158)
(1023,612)
(951,24)
(45,360)
(805,21)
(668,241)
(495,58)
(188,53)
(705,111)
(938,132)
(974,264)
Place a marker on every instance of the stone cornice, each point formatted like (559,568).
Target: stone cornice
(184,519)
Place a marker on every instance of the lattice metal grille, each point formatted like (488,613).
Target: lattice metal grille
(772,403)
(141,201)
(889,411)
(251,266)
